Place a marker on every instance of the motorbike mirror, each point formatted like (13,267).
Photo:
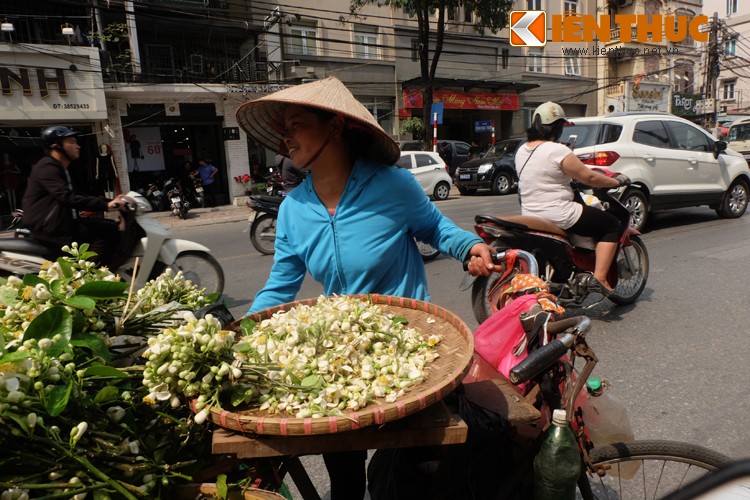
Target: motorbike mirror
(720,147)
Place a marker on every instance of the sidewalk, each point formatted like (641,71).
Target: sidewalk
(204,216)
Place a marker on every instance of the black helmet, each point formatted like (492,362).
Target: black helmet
(55,134)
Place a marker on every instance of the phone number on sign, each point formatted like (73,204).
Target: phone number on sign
(70,106)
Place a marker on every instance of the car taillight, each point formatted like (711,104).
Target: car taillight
(446,168)
(599,159)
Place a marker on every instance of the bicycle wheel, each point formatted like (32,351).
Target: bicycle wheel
(662,467)
(263,234)
(202,269)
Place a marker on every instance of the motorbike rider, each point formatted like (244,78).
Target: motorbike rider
(51,204)
(351,223)
(545,169)
(291,175)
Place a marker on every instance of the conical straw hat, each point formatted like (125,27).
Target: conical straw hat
(263,118)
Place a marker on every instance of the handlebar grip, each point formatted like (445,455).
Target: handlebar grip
(539,360)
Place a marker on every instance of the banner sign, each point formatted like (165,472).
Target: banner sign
(143,148)
(686,104)
(464,100)
(483,126)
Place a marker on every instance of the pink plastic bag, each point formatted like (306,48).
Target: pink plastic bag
(500,339)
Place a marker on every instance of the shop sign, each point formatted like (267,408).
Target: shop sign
(483,126)
(51,83)
(464,100)
(647,97)
(231,133)
(143,148)
(686,104)
(256,89)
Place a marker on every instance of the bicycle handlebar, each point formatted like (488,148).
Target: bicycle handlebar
(547,355)
(499,258)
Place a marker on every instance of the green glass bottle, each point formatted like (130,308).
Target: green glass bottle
(557,465)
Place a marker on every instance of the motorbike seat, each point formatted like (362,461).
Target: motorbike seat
(27,246)
(271,200)
(525,222)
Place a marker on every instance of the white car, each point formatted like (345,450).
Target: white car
(671,162)
(430,171)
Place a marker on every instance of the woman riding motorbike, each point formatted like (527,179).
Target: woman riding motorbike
(545,169)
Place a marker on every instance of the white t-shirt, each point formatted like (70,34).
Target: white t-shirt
(544,187)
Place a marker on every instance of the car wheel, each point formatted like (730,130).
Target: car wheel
(442,190)
(466,191)
(734,203)
(635,201)
(502,183)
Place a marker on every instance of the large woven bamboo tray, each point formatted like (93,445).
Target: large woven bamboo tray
(443,376)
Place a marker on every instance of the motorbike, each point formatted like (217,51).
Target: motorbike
(263,223)
(178,202)
(198,194)
(152,246)
(156,197)
(274,182)
(566,261)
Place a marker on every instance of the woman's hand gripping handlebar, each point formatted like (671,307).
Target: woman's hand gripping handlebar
(544,357)
(506,259)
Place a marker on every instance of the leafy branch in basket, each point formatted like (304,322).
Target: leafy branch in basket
(310,361)
(72,423)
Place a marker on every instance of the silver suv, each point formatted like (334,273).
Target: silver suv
(671,162)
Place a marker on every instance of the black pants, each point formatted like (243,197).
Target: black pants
(600,225)
(103,237)
(347,472)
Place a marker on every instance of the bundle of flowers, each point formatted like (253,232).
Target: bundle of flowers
(311,361)
(71,422)
(243,179)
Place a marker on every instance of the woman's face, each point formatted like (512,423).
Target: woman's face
(305,133)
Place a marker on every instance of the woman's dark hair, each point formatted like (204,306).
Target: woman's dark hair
(540,132)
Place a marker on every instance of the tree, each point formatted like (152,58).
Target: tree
(489,14)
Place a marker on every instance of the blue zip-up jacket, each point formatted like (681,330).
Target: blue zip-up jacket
(367,246)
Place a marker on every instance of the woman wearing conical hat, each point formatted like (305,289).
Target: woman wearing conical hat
(352,222)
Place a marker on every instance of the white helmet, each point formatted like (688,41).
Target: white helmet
(549,112)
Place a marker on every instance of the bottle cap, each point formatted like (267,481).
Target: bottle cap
(559,417)
(594,384)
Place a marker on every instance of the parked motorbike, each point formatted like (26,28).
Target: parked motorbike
(198,194)
(152,245)
(566,262)
(274,182)
(263,223)
(156,197)
(178,202)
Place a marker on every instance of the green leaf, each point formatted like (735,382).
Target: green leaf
(57,287)
(103,289)
(67,269)
(312,382)
(91,342)
(80,302)
(237,397)
(213,297)
(53,321)
(247,325)
(104,371)
(295,379)
(22,422)
(13,357)
(221,485)
(400,319)
(106,395)
(57,399)
(33,280)
(8,296)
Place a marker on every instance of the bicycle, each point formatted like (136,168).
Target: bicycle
(606,471)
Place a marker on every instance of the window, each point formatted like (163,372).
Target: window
(382,109)
(451,13)
(534,4)
(365,41)
(404,162)
(461,149)
(424,160)
(505,55)
(689,137)
(468,15)
(570,6)
(730,46)
(303,40)
(729,90)
(651,133)
(572,65)
(731,7)
(534,58)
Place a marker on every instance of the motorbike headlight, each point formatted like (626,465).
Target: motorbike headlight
(484,168)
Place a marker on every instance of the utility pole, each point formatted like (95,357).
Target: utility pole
(712,72)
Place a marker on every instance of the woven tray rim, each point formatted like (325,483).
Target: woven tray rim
(373,414)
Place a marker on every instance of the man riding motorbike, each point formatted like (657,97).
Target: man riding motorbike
(51,205)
